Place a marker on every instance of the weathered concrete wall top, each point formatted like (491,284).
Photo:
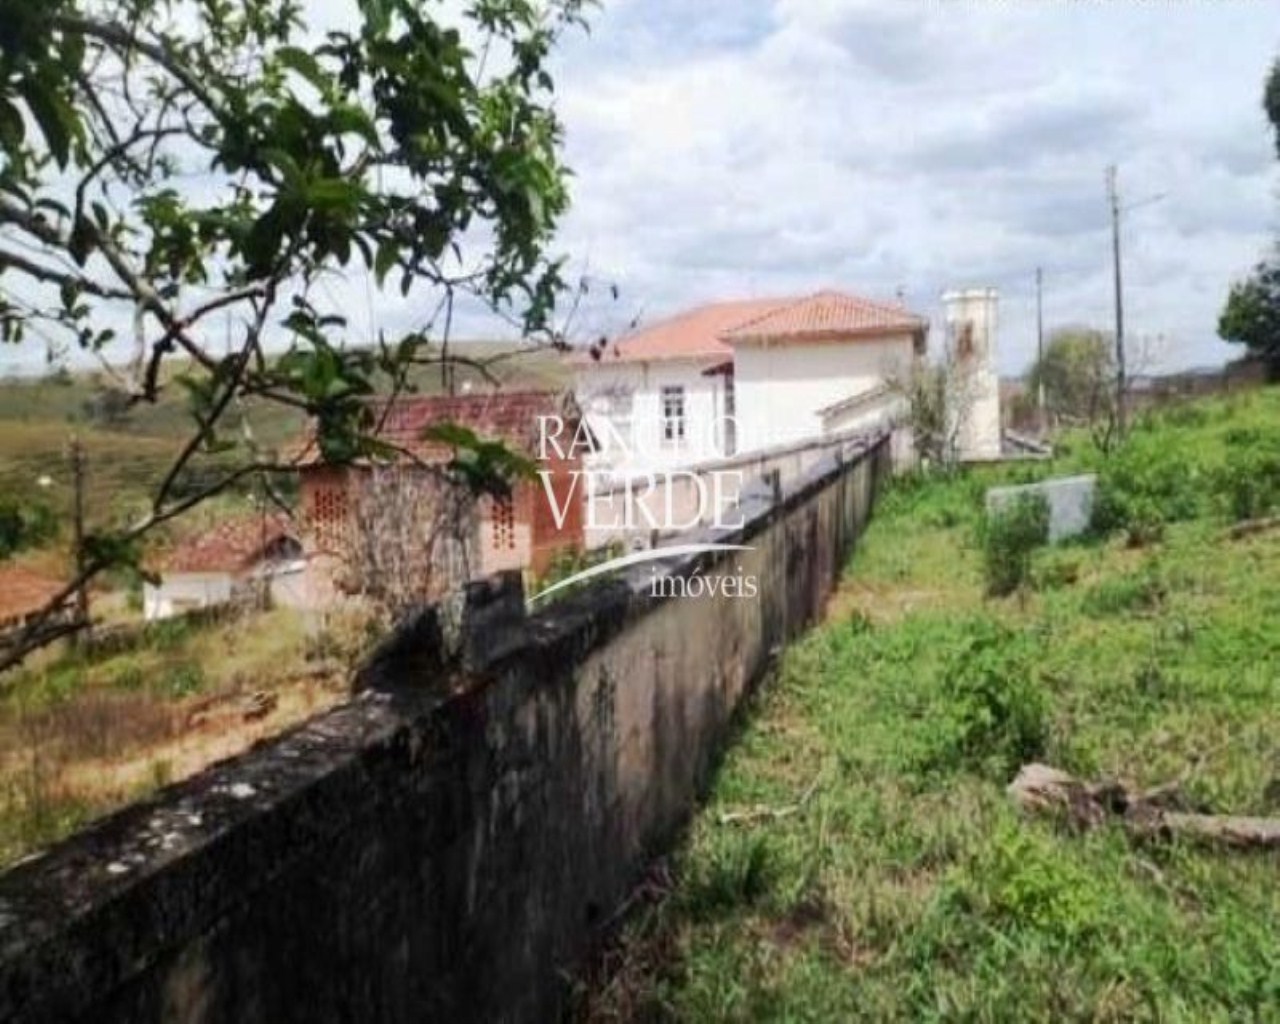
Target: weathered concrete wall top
(448,844)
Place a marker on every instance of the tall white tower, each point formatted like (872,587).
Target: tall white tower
(973,399)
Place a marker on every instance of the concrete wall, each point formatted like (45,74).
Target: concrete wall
(1070,501)
(288,586)
(417,857)
(781,389)
(688,498)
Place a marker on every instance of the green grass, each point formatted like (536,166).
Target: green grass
(66,721)
(906,887)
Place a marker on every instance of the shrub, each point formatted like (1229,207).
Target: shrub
(1022,881)
(993,712)
(24,526)
(126,674)
(169,634)
(1138,591)
(1182,414)
(570,561)
(1143,486)
(1008,538)
(185,679)
(737,873)
(1054,573)
(1248,484)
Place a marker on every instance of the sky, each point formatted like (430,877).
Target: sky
(767,147)
(750,148)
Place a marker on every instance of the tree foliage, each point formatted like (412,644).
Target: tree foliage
(1078,375)
(181,165)
(24,525)
(1251,316)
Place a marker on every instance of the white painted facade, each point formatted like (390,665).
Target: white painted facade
(632,409)
(287,585)
(974,392)
(784,389)
(778,395)
(181,592)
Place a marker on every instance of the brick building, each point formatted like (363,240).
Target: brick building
(404,495)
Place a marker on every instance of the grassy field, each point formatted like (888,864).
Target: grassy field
(81,736)
(858,858)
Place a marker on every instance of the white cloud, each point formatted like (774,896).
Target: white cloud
(745,147)
(805,143)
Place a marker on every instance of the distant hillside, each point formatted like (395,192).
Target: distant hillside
(128,450)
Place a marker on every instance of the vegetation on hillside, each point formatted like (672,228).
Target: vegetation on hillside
(82,734)
(858,858)
(125,457)
(194,175)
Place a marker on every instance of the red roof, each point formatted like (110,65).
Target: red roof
(707,332)
(234,545)
(827,315)
(691,335)
(23,592)
(508,416)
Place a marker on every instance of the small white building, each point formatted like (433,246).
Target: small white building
(738,377)
(246,557)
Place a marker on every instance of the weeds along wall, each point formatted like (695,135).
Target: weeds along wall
(451,843)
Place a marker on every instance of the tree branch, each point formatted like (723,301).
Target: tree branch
(126,40)
(49,275)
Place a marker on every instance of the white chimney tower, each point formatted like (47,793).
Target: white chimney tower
(974,385)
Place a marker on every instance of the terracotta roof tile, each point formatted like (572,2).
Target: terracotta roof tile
(23,592)
(694,334)
(827,315)
(508,416)
(231,546)
(707,332)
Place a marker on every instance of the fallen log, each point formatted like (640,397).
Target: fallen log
(1223,830)
(1160,813)
(1250,527)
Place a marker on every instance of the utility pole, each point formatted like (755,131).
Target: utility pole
(1040,402)
(77,524)
(1113,195)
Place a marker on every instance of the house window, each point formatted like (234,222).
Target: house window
(730,417)
(503,524)
(673,414)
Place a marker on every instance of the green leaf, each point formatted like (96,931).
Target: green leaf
(12,127)
(54,116)
(346,119)
(82,240)
(388,253)
(305,64)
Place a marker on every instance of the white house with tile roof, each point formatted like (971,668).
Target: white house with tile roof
(737,377)
(822,365)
